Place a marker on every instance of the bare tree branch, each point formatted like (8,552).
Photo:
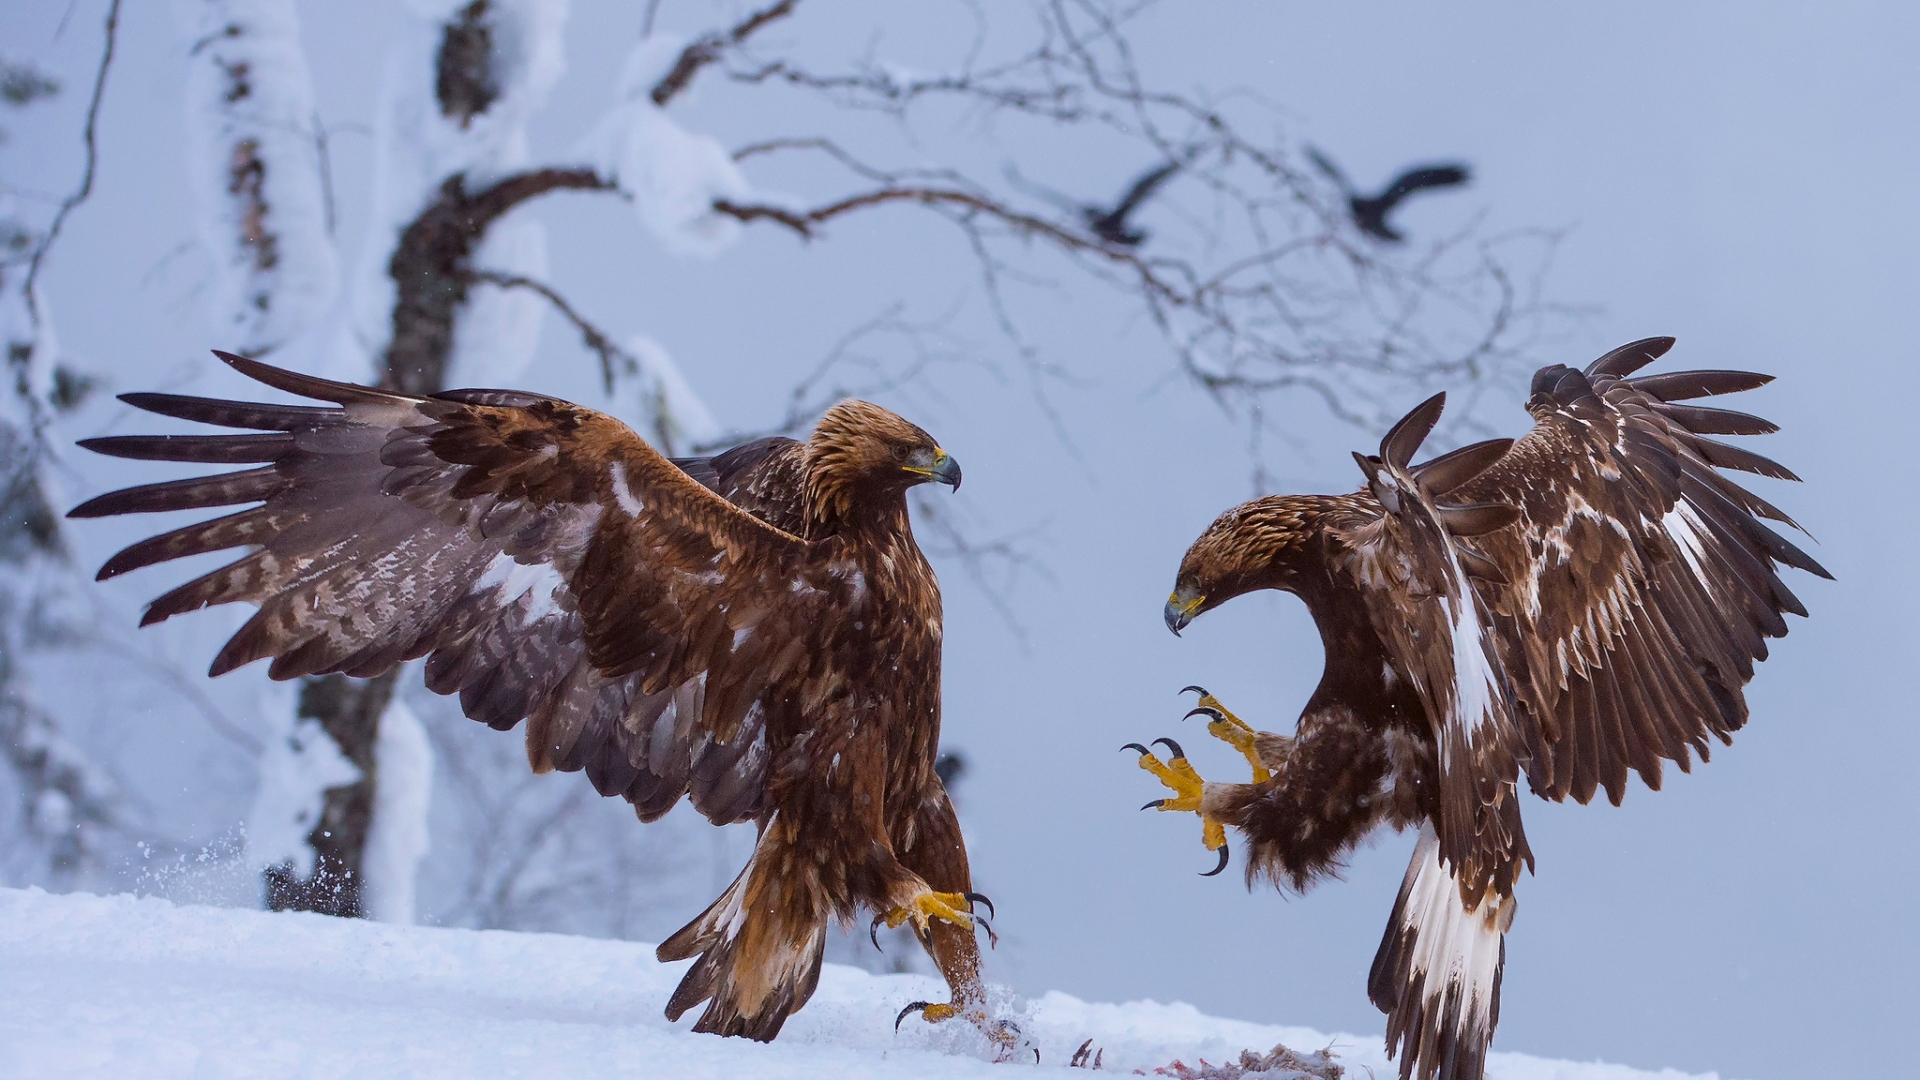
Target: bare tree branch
(614,360)
(81,193)
(430,267)
(710,47)
(1273,290)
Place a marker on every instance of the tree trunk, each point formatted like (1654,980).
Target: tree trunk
(432,270)
(349,710)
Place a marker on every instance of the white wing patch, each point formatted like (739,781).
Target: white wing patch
(623,491)
(538,581)
(1475,687)
(1684,526)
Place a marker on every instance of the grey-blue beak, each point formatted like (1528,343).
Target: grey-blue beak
(936,465)
(946,470)
(1181,609)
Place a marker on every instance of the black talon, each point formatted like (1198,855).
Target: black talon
(981,898)
(1204,710)
(1173,746)
(925,933)
(1155,803)
(993,939)
(1136,746)
(911,1005)
(1223,863)
(873,932)
(1201,690)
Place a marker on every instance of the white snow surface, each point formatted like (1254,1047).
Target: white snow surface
(121,986)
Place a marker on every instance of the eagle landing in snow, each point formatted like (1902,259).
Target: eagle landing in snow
(1586,600)
(756,631)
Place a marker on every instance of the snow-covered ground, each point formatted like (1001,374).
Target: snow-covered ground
(126,987)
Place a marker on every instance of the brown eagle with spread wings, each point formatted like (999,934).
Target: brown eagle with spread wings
(1586,600)
(757,631)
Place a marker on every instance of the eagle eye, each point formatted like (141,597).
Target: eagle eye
(899,452)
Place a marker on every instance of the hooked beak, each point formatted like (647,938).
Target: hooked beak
(939,467)
(1181,608)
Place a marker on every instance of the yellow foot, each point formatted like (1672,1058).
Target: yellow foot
(951,907)
(1230,729)
(1188,790)
(1004,1033)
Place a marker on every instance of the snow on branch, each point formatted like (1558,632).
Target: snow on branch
(254,151)
(673,176)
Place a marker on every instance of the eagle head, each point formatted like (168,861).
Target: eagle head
(860,451)
(1245,549)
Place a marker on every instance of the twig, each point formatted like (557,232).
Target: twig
(85,189)
(976,557)
(1280,295)
(710,47)
(594,337)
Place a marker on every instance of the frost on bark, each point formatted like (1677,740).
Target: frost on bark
(254,153)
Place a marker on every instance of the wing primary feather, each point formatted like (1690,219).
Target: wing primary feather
(1450,470)
(225,489)
(1405,437)
(1726,456)
(1477,519)
(1630,357)
(309,386)
(213,449)
(1478,565)
(1686,385)
(235,530)
(1775,545)
(1705,421)
(234,414)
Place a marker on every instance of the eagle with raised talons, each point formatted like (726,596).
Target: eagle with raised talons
(756,631)
(1586,600)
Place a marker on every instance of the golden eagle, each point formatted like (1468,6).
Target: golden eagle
(757,631)
(1586,600)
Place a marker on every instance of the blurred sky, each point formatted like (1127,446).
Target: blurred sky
(1737,175)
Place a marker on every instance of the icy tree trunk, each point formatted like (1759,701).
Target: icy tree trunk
(349,711)
(63,799)
(490,63)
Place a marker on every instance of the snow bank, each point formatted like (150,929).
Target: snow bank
(118,986)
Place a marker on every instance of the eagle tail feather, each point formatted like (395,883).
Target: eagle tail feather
(1437,974)
(759,955)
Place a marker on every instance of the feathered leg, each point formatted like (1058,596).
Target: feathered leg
(938,854)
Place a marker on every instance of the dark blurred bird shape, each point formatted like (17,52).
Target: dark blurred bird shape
(1110,223)
(1370,212)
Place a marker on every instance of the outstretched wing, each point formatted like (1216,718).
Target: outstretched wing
(1640,583)
(1420,179)
(549,564)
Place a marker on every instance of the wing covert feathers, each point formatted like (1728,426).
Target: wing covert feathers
(1642,583)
